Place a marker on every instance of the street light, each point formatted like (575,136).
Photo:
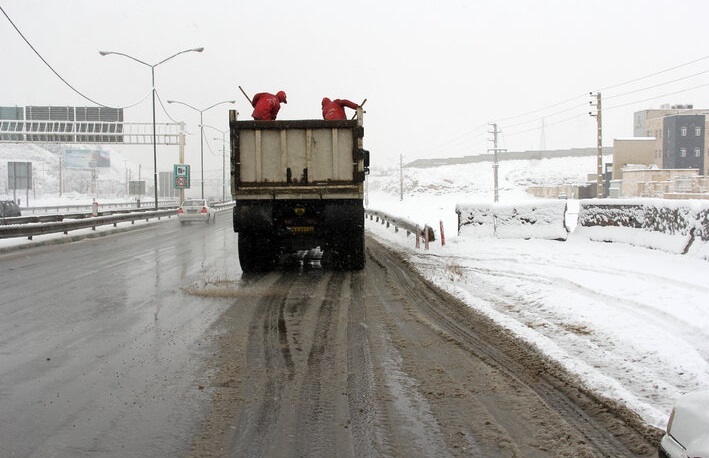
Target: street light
(223,139)
(152,70)
(201,131)
(223,166)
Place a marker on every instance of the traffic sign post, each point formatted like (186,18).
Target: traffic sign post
(181,173)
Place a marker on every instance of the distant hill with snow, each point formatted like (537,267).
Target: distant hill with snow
(475,181)
(45,161)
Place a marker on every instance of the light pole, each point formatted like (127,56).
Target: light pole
(152,70)
(223,166)
(201,131)
(223,139)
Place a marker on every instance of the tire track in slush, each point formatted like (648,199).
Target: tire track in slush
(368,438)
(268,356)
(356,363)
(317,427)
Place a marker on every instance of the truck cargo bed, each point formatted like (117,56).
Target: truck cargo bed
(298,185)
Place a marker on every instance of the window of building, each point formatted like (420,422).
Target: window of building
(683,131)
(697,152)
(683,152)
(697,131)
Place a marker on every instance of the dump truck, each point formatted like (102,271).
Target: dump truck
(298,185)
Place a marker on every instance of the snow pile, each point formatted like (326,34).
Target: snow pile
(673,226)
(700,246)
(542,220)
(476,220)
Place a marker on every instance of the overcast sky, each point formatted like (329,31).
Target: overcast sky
(434,73)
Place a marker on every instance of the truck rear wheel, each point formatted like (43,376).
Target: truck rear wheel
(355,249)
(346,252)
(256,253)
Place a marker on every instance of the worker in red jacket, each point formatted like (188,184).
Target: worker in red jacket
(266,105)
(335,109)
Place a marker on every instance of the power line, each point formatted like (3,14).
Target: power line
(162,105)
(657,97)
(542,109)
(561,121)
(615,96)
(456,143)
(655,74)
(658,85)
(547,116)
(570,118)
(607,109)
(59,76)
(451,145)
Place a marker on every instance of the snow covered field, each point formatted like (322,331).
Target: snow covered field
(631,322)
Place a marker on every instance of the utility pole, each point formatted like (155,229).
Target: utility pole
(401,177)
(181,157)
(495,164)
(94,188)
(61,177)
(599,152)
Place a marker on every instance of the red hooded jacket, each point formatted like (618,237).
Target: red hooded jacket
(266,105)
(335,109)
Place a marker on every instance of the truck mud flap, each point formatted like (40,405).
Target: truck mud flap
(253,217)
(344,217)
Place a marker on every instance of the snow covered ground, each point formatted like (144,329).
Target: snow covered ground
(631,322)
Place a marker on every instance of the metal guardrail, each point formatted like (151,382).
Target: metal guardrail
(29,226)
(410,227)
(148,204)
(219,206)
(54,217)
(30,229)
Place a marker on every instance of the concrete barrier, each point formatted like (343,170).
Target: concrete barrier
(670,225)
(541,220)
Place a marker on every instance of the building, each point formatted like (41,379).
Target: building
(644,122)
(637,150)
(683,142)
(668,152)
(642,181)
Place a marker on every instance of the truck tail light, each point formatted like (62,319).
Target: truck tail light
(204,209)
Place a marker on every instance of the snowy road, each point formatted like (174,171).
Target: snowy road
(379,363)
(101,352)
(152,343)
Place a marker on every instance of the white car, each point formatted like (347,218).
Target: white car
(195,210)
(688,428)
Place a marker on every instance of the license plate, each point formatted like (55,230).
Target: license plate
(302,229)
